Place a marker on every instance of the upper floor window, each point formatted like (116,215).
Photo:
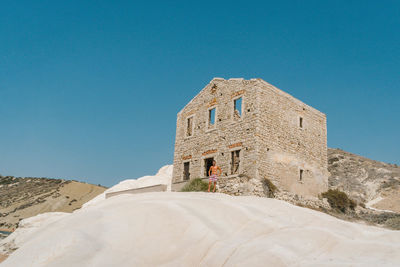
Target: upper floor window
(211,117)
(189,126)
(237,108)
(301,122)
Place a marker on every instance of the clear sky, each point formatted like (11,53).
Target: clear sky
(89,90)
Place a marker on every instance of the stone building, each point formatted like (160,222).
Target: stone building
(255,132)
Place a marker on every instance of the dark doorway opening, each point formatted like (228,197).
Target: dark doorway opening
(186,173)
(207,165)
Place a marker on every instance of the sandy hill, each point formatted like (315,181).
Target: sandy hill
(374,183)
(195,229)
(25,197)
(199,229)
(205,229)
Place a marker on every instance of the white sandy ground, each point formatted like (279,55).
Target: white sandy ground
(370,204)
(27,228)
(30,225)
(198,229)
(163,176)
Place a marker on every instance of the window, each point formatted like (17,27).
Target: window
(301,122)
(301,175)
(237,108)
(235,161)
(211,117)
(189,127)
(186,173)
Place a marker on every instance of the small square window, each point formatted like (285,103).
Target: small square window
(237,105)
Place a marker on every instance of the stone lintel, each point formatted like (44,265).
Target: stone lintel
(241,92)
(213,102)
(186,157)
(235,145)
(210,152)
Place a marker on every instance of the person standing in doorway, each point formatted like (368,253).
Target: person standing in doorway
(213,174)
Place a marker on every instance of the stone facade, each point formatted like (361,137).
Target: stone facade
(253,130)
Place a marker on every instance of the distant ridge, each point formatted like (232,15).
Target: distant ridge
(22,198)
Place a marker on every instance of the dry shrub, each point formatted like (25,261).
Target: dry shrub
(195,185)
(339,200)
(271,187)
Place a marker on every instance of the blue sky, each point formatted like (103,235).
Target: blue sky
(89,90)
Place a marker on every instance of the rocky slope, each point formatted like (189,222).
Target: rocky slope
(374,186)
(369,182)
(25,197)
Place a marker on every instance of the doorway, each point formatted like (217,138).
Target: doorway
(186,173)
(207,164)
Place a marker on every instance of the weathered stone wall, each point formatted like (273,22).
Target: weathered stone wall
(286,147)
(228,134)
(272,144)
(243,186)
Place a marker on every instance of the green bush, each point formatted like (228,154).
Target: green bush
(339,200)
(195,185)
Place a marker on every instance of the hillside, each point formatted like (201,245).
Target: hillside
(374,183)
(25,197)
